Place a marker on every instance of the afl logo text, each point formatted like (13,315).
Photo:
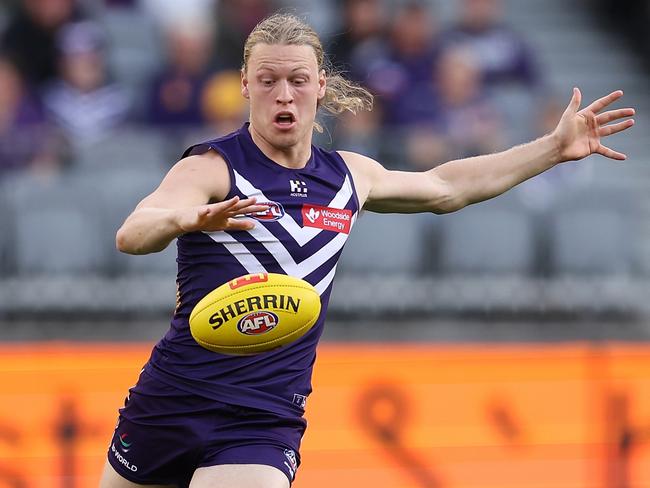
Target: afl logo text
(257,323)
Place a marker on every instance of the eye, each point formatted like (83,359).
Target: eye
(266,81)
(299,81)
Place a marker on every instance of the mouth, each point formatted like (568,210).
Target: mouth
(284,120)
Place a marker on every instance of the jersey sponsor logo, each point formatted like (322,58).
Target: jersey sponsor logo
(297,188)
(327,218)
(248,280)
(257,323)
(253,304)
(312,215)
(274,212)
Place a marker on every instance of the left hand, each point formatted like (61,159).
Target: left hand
(579,133)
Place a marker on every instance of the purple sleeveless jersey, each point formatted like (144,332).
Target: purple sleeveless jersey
(311,212)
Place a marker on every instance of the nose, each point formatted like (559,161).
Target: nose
(284,92)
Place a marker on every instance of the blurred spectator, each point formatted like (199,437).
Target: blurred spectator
(25,141)
(502,55)
(461,123)
(235,20)
(223,106)
(84,103)
(175,93)
(408,60)
(31,37)
(364,32)
(360,47)
(362,133)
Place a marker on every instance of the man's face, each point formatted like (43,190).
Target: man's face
(283,84)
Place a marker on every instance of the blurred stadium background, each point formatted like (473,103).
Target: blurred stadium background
(505,345)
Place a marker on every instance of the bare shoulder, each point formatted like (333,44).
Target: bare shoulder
(206,164)
(193,180)
(364,171)
(208,171)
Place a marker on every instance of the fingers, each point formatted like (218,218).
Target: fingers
(247,206)
(610,153)
(611,115)
(603,102)
(576,100)
(233,206)
(239,224)
(608,130)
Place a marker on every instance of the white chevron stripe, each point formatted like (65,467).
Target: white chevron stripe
(239,251)
(322,285)
(302,235)
(281,255)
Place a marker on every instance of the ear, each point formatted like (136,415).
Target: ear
(244,85)
(322,84)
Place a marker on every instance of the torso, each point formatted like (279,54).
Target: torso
(311,213)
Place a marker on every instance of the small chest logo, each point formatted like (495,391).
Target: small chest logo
(248,280)
(257,323)
(297,188)
(274,212)
(326,218)
(300,400)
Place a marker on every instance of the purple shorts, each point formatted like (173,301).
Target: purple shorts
(163,435)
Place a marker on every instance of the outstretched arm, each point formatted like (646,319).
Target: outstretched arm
(453,185)
(184,203)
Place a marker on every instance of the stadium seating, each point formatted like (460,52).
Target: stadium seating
(136,50)
(56,226)
(495,237)
(591,233)
(117,191)
(381,244)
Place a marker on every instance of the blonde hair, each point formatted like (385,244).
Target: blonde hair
(340,93)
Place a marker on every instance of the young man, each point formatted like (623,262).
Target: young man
(243,204)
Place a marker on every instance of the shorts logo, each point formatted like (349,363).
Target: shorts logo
(257,323)
(122,460)
(126,446)
(292,465)
(326,218)
(274,212)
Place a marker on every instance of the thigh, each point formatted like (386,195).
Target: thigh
(239,476)
(157,440)
(110,479)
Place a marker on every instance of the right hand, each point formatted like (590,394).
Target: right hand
(219,216)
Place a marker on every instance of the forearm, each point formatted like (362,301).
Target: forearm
(148,230)
(479,178)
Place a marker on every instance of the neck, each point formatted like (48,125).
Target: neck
(295,156)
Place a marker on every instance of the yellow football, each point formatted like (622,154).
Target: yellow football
(255,313)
